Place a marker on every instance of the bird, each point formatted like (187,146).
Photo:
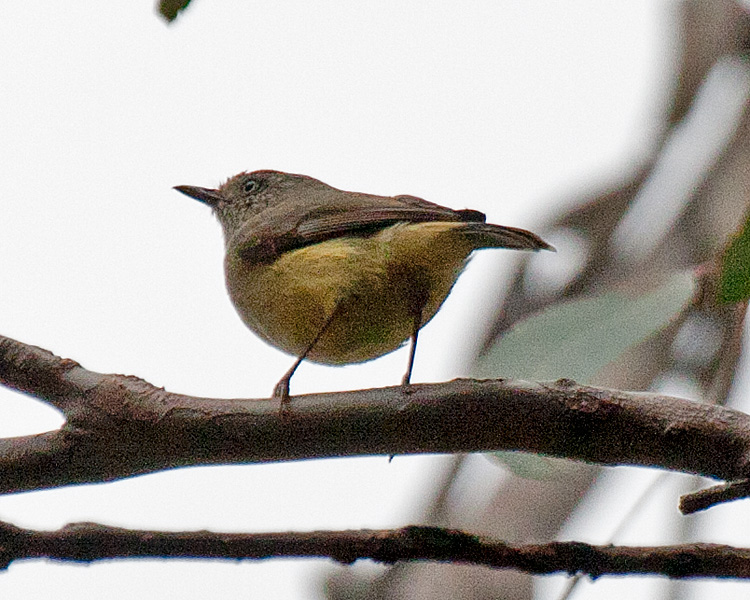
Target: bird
(338,277)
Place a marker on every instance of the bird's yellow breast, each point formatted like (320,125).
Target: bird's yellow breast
(371,282)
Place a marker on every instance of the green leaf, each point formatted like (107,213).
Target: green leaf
(169,9)
(734,281)
(527,466)
(577,339)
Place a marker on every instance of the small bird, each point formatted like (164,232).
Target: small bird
(339,277)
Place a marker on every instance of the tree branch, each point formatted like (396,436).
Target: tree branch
(87,542)
(704,499)
(118,426)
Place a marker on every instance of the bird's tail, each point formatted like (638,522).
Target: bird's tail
(486,235)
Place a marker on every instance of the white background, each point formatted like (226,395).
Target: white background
(507,107)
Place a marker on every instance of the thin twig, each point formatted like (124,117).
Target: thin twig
(703,499)
(87,542)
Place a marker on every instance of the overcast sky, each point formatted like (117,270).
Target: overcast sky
(507,107)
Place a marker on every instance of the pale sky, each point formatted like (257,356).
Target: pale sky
(508,107)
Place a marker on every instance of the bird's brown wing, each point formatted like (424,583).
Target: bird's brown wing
(288,227)
(326,223)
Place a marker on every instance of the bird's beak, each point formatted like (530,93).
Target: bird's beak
(205,195)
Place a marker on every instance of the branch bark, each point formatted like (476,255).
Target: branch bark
(119,426)
(87,542)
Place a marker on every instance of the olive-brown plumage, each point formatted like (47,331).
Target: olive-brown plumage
(341,277)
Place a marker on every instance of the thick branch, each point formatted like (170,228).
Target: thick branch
(87,542)
(119,426)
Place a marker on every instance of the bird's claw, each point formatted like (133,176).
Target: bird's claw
(281,393)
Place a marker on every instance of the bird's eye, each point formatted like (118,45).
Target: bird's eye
(250,186)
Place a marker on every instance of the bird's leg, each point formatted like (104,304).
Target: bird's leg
(281,390)
(420,300)
(418,306)
(412,349)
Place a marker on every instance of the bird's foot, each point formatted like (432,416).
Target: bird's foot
(281,393)
(406,385)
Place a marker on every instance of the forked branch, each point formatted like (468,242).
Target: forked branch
(119,426)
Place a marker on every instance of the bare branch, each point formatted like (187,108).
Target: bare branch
(87,542)
(118,426)
(697,501)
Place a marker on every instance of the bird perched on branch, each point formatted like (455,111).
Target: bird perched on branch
(339,277)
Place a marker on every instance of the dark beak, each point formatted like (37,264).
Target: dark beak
(205,195)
